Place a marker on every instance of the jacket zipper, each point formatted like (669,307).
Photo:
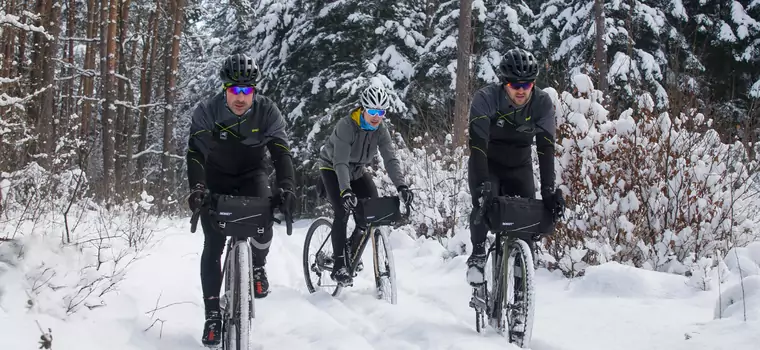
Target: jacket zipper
(366,146)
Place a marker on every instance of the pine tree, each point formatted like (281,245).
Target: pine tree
(344,47)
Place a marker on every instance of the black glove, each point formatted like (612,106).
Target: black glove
(195,199)
(287,201)
(554,202)
(348,199)
(478,194)
(406,195)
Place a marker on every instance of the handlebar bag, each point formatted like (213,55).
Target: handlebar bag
(241,216)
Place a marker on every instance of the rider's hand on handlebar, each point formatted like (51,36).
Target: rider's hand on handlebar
(554,202)
(195,199)
(348,199)
(478,194)
(287,201)
(405,194)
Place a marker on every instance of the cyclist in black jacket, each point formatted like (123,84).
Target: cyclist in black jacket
(504,119)
(228,138)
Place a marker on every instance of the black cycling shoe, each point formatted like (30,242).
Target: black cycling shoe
(342,277)
(260,282)
(476,264)
(212,330)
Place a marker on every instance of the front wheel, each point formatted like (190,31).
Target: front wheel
(520,293)
(238,321)
(385,273)
(318,258)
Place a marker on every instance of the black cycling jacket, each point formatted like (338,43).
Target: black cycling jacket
(225,149)
(503,133)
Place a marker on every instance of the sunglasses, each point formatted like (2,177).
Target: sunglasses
(376,112)
(523,85)
(237,90)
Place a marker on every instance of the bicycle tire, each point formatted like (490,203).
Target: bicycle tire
(521,308)
(385,271)
(239,325)
(309,266)
(495,306)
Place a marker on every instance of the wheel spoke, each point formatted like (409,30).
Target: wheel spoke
(317,258)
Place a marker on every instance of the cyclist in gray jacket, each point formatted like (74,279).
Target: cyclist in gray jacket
(353,144)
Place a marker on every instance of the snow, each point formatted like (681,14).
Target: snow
(621,66)
(13,20)
(620,281)
(678,11)
(157,302)
(755,89)
(402,68)
(583,83)
(740,17)
(726,34)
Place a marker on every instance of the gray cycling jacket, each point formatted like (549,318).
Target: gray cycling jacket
(350,148)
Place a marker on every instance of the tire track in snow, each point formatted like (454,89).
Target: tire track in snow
(418,321)
(291,281)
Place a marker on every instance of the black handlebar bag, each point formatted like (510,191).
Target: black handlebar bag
(241,216)
(523,218)
(382,211)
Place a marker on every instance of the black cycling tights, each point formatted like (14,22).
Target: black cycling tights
(213,244)
(362,187)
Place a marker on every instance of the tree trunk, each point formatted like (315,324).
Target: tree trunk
(21,45)
(88,81)
(48,115)
(8,49)
(35,75)
(146,84)
(70,102)
(121,181)
(464,48)
(109,88)
(129,120)
(601,49)
(172,64)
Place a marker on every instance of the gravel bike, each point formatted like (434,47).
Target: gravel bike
(317,251)
(240,218)
(506,298)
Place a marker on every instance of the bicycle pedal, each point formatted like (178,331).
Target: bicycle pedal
(346,284)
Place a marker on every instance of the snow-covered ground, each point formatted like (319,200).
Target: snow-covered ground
(611,307)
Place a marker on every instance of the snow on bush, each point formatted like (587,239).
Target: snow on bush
(61,253)
(646,190)
(660,192)
(741,298)
(437,174)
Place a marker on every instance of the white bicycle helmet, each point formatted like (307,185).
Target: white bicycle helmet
(375,97)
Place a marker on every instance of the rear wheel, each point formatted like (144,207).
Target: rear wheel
(385,273)
(318,258)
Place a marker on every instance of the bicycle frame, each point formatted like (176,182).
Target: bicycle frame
(232,270)
(495,302)
(368,232)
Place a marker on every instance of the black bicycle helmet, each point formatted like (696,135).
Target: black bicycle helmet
(239,69)
(518,65)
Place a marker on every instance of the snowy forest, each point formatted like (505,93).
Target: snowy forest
(657,107)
